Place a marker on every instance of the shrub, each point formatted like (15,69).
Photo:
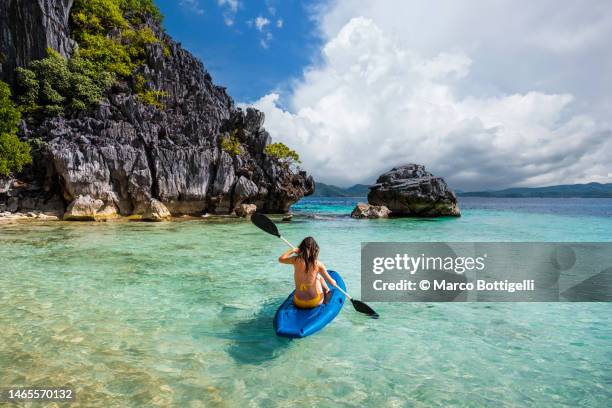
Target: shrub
(149,96)
(14,154)
(111,34)
(9,114)
(111,37)
(231,144)
(282,154)
(53,83)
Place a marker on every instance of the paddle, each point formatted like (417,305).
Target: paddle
(265,224)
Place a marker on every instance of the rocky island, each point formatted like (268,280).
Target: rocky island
(408,191)
(119,119)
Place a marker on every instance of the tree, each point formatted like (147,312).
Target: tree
(282,154)
(14,154)
(112,36)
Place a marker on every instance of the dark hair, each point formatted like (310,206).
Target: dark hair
(309,252)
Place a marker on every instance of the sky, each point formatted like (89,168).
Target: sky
(487,95)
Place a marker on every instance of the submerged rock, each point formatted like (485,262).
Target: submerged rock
(410,190)
(363,210)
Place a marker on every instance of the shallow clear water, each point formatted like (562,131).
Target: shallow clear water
(181,314)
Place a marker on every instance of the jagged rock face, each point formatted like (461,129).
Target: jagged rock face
(410,190)
(126,153)
(28,28)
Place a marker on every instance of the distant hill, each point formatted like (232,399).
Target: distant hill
(328,190)
(590,190)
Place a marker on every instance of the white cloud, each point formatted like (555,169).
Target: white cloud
(375,102)
(551,46)
(230,10)
(231,4)
(265,41)
(192,5)
(261,23)
(279,23)
(270,5)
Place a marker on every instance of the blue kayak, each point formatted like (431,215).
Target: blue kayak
(290,321)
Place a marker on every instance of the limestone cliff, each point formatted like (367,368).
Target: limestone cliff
(127,153)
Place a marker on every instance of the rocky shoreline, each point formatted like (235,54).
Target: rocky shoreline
(41,217)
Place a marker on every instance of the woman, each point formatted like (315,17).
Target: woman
(310,288)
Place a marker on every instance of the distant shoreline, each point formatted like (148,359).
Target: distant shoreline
(589,190)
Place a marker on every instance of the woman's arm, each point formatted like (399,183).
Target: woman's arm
(286,257)
(323,272)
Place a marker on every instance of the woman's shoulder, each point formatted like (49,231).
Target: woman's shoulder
(320,265)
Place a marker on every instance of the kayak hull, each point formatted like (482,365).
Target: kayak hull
(290,321)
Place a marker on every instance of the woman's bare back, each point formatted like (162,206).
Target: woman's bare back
(307,284)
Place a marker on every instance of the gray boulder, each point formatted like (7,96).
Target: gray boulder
(83,208)
(412,191)
(363,210)
(155,211)
(246,210)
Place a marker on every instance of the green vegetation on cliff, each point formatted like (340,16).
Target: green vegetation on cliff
(231,144)
(51,84)
(282,154)
(14,154)
(111,36)
(148,95)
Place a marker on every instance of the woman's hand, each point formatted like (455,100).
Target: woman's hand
(287,257)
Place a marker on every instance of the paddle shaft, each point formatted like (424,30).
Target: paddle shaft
(337,287)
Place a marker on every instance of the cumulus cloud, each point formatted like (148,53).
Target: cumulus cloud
(261,23)
(192,5)
(230,9)
(551,46)
(231,4)
(265,41)
(375,101)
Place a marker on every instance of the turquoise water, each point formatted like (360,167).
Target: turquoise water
(180,314)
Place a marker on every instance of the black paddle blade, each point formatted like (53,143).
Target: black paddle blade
(264,223)
(363,308)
